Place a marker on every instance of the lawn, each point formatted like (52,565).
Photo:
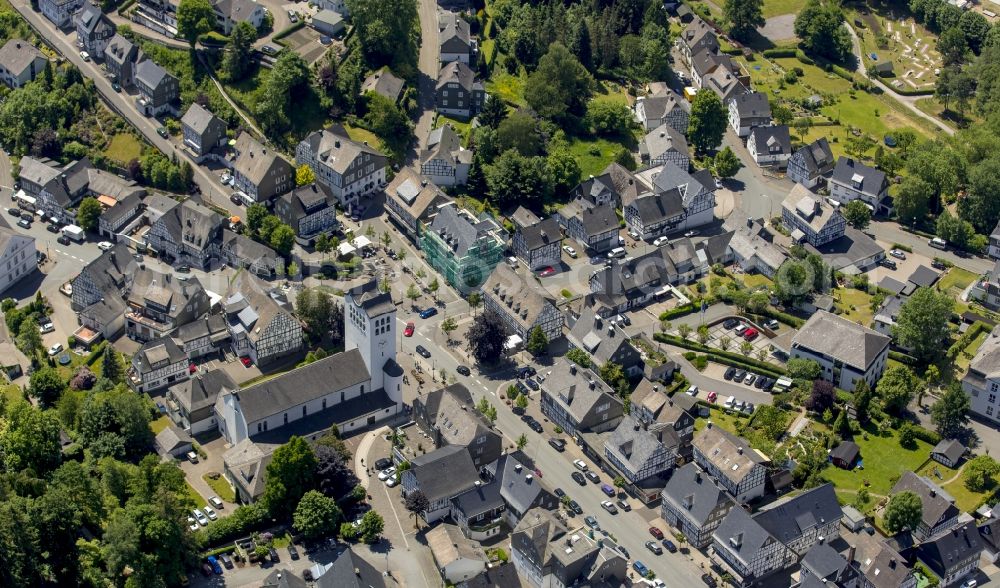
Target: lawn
(965,358)
(509,88)
(778,7)
(855,305)
(754,281)
(884,460)
(719,418)
(361,135)
(196,499)
(221,487)
(159,424)
(595,153)
(12,392)
(612,92)
(463,128)
(124,148)
(955,280)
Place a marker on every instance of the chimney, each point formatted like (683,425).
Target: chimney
(593,384)
(933,492)
(357,572)
(572,368)
(517,468)
(697,476)
(527,479)
(739,450)
(478,483)
(892,563)
(708,424)
(850,555)
(336,144)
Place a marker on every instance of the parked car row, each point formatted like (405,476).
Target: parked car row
(764,383)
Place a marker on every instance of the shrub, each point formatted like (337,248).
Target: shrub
(801,56)
(779,52)
(244,519)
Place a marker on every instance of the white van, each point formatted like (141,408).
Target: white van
(660,241)
(938,243)
(616,253)
(730,402)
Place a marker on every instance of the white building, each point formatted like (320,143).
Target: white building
(853,180)
(747,111)
(350,169)
(732,462)
(20,63)
(59,11)
(982,382)
(845,351)
(17,256)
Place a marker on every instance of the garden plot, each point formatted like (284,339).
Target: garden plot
(910,49)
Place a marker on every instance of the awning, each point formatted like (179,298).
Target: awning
(798,236)
(106,201)
(361,242)
(345,249)
(513,342)
(22,197)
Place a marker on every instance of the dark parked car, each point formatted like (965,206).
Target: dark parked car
(226,561)
(15,212)
(521,388)
(592,476)
(52,228)
(293,552)
(623,551)
(383,464)
(558,444)
(423,351)
(24,223)
(739,375)
(709,581)
(535,426)
(273,553)
(525,372)
(575,507)
(463,370)
(888,263)
(428,312)
(578,478)
(559,492)
(532,384)
(669,545)
(768,385)
(654,547)
(759,384)
(937,264)
(622,504)
(730,373)
(62,240)
(730,323)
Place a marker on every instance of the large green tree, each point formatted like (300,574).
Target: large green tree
(707,122)
(821,28)
(194,19)
(388,121)
(744,16)
(726,164)
(515,178)
(922,323)
(559,89)
(29,440)
(289,476)
(904,511)
(948,413)
(486,338)
(46,385)
(385,30)
(912,199)
(980,473)
(981,205)
(316,515)
(237,61)
(88,213)
(857,214)
(520,132)
(538,343)
(897,387)
(288,81)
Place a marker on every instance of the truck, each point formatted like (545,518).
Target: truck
(73,232)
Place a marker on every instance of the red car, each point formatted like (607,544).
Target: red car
(246,361)
(750,334)
(192,368)
(656,532)
(408,331)
(546,271)
(712,396)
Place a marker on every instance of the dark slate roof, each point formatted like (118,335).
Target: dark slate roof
(741,535)
(936,502)
(847,168)
(824,561)
(480,499)
(598,219)
(595,186)
(445,472)
(626,185)
(502,576)
(847,451)
(124,208)
(371,299)
(636,444)
(201,390)
(158,350)
(336,372)
(923,277)
(891,284)
(542,233)
(791,519)
(660,207)
(763,136)
(283,578)
(694,491)
(351,571)
(198,118)
(456,71)
(949,448)
(384,83)
(943,552)
(817,156)
(150,73)
(753,105)
(191,223)
(461,231)
(518,485)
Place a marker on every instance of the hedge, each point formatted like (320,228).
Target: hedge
(903,358)
(289,31)
(781,317)
(719,356)
(801,56)
(780,52)
(926,435)
(902,247)
(836,69)
(220,550)
(97,353)
(967,337)
(125,6)
(244,519)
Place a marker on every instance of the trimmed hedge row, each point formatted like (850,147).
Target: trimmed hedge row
(780,52)
(724,357)
(926,435)
(801,56)
(246,518)
(781,317)
(967,337)
(902,357)
(289,31)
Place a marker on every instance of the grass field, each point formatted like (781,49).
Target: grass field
(11,392)
(884,460)
(720,419)
(861,312)
(221,487)
(778,7)
(509,88)
(124,148)
(159,424)
(965,358)
(463,128)
(754,281)
(362,135)
(593,155)
(197,500)
(956,280)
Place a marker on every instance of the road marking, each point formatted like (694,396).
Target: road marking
(393,507)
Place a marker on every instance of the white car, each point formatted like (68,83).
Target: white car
(730,402)
(387,473)
(210,513)
(569,251)
(55,349)
(580,465)
(692,390)
(609,506)
(897,254)
(46,327)
(216,502)
(392,481)
(85,56)
(660,241)
(193,524)
(104,246)
(202,519)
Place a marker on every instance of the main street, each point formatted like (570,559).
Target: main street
(211,187)
(629,528)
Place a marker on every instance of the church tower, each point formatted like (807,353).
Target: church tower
(370,327)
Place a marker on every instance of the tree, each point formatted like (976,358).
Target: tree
(371,526)
(707,122)
(922,323)
(387,120)
(282,239)
(563,171)
(256,213)
(862,399)
(952,46)
(289,79)
(486,338)
(781,114)
(897,387)
(417,504)
(948,413)
(29,339)
(111,366)
(522,441)
(304,175)
(236,63)
(579,357)
(515,178)
(609,118)
(912,199)
(857,214)
(981,205)
(538,343)
(493,113)
(316,515)
(522,402)
(703,334)
(684,330)
(385,30)
(115,423)
(953,229)
(614,375)
(744,16)
(29,441)
(519,131)
(726,163)
(904,511)
(475,300)
(434,286)
(289,475)
(822,396)
(980,473)
(560,87)
(746,348)
(821,28)
(88,213)
(448,325)
(46,385)
(194,19)
(335,475)
(412,292)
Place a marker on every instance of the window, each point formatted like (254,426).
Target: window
(285,417)
(989,411)
(324,404)
(304,410)
(362,388)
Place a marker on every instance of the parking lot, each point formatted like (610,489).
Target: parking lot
(717,333)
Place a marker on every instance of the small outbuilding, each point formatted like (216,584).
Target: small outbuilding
(948,452)
(884,69)
(174,441)
(853,519)
(845,455)
(328,22)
